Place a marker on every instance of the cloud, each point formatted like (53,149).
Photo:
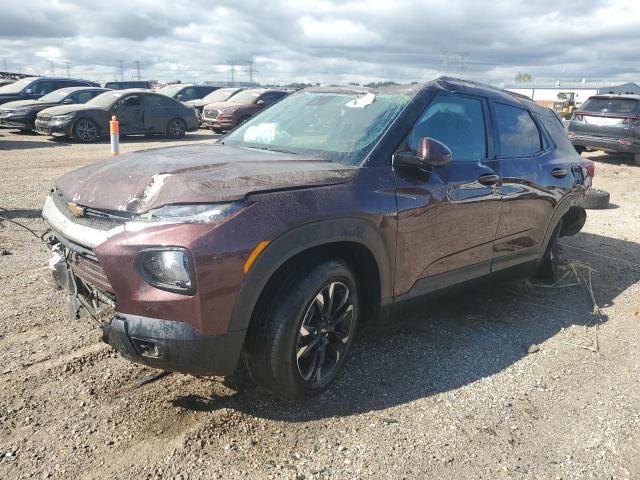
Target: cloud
(325,41)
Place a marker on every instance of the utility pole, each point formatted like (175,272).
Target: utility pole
(67,65)
(233,73)
(445,63)
(53,70)
(138,68)
(4,60)
(121,69)
(251,71)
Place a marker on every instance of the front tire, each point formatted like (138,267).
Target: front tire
(85,131)
(301,336)
(177,128)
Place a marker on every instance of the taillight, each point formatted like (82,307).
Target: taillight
(590,168)
(634,121)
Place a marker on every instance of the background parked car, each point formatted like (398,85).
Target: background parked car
(608,122)
(128,84)
(32,88)
(187,91)
(239,108)
(21,114)
(219,95)
(138,111)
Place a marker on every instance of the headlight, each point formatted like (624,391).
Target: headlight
(61,118)
(169,269)
(197,213)
(229,109)
(16,111)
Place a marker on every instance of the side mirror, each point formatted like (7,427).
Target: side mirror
(260,103)
(68,101)
(28,91)
(430,153)
(179,97)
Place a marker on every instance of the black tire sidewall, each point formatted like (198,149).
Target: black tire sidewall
(287,316)
(596,199)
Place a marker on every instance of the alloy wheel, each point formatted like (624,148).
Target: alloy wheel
(86,131)
(176,128)
(325,332)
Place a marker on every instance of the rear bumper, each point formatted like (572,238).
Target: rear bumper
(173,346)
(628,144)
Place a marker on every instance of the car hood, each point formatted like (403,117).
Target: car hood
(221,105)
(66,109)
(199,102)
(140,181)
(21,103)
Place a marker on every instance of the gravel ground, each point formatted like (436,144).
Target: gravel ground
(489,384)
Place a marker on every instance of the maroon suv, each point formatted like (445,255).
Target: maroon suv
(223,116)
(325,211)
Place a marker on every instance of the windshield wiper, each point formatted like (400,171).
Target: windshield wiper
(269,148)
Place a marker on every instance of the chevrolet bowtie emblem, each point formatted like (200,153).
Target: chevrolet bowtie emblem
(75,209)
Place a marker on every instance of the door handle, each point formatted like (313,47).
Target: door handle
(488,179)
(559,172)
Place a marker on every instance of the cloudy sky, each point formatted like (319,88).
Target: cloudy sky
(323,41)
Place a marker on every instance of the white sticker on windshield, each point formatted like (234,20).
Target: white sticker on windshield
(263,133)
(363,101)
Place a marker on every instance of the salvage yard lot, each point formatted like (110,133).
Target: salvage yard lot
(449,391)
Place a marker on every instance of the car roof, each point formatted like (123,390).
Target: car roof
(76,89)
(445,84)
(131,90)
(60,78)
(626,96)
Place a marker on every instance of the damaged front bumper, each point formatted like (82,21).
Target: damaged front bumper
(160,343)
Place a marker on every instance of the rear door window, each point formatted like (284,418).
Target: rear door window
(518,134)
(458,122)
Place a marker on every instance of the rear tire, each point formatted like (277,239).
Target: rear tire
(302,331)
(85,131)
(579,149)
(548,268)
(177,128)
(596,199)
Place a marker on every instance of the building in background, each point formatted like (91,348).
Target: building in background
(548,94)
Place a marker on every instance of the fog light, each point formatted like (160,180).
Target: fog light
(169,269)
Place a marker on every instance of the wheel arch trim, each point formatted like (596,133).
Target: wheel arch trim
(303,238)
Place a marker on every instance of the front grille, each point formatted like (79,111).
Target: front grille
(212,114)
(90,271)
(92,218)
(44,116)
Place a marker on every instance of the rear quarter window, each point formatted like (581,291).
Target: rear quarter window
(518,134)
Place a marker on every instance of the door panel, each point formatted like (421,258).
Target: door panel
(129,111)
(528,198)
(447,218)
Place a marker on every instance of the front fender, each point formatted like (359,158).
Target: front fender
(303,238)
